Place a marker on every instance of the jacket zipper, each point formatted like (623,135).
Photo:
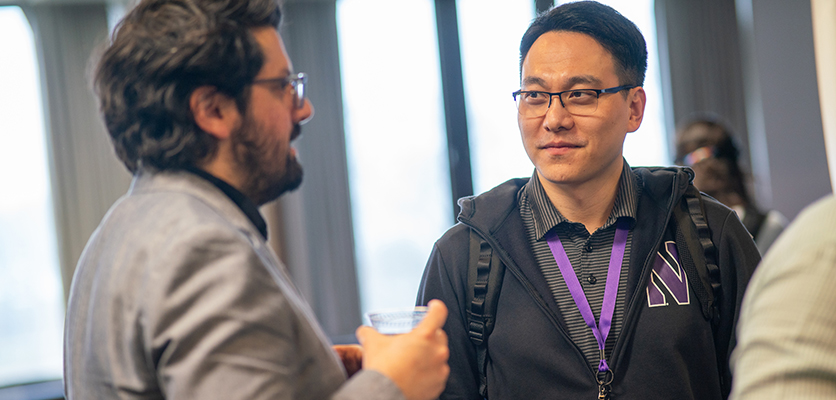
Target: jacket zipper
(632,307)
(532,293)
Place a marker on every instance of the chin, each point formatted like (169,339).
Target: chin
(267,188)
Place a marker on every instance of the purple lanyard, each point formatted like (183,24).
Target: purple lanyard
(610,291)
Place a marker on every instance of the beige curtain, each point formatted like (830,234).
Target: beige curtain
(86,175)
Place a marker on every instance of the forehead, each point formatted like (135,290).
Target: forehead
(562,59)
(276,60)
(698,135)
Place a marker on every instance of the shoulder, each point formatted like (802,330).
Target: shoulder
(810,233)
(659,184)
(786,342)
(490,208)
(170,235)
(180,205)
(805,252)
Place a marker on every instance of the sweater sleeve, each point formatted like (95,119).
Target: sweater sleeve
(369,385)
(787,346)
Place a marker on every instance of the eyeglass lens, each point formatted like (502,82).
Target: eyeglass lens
(576,102)
(298,84)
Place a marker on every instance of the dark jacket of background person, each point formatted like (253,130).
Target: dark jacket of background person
(661,353)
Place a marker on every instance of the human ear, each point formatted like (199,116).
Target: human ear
(214,112)
(637,99)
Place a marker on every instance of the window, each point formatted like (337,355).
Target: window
(490,33)
(490,58)
(31,295)
(395,137)
(647,145)
(399,176)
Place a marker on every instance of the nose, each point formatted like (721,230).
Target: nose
(557,117)
(304,114)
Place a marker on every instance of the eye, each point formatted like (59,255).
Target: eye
(535,97)
(581,96)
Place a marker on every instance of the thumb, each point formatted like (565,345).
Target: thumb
(435,318)
(364,333)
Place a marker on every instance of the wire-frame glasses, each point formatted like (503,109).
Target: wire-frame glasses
(296,82)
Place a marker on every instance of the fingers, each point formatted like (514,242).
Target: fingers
(351,356)
(364,333)
(435,318)
(348,350)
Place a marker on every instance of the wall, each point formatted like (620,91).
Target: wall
(782,104)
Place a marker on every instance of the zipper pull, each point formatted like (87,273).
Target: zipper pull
(603,392)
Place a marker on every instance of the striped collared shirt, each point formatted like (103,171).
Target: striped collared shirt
(589,255)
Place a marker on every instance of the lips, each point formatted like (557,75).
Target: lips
(560,148)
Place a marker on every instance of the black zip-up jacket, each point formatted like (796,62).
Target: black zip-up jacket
(666,352)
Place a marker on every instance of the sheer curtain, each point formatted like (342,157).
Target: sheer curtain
(31,295)
(395,137)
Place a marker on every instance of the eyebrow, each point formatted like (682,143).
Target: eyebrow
(575,80)
(284,73)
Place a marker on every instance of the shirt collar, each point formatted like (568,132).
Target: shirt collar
(242,201)
(546,216)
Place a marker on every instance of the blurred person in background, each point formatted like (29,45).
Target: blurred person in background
(707,146)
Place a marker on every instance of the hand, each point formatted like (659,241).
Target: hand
(416,361)
(351,356)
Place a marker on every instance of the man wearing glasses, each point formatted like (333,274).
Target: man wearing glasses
(593,301)
(177,295)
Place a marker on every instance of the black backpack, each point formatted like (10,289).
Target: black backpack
(486,272)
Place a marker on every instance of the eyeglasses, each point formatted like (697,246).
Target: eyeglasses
(697,155)
(296,82)
(581,102)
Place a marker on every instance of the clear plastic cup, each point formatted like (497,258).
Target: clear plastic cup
(394,322)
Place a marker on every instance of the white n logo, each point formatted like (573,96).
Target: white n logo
(667,272)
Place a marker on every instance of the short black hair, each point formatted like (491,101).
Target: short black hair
(607,26)
(158,55)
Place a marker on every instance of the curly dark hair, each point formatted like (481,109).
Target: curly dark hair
(607,26)
(158,55)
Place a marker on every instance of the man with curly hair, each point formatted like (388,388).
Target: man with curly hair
(177,295)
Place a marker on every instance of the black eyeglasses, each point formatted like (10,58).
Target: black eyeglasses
(296,82)
(582,102)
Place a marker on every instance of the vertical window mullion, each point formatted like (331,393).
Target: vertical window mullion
(455,113)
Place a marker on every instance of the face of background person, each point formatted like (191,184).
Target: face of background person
(261,146)
(712,175)
(570,149)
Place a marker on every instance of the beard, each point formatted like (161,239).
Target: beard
(267,175)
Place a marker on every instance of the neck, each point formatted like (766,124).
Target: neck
(589,204)
(220,166)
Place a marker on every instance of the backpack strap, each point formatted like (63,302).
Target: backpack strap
(699,260)
(486,272)
(484,279)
